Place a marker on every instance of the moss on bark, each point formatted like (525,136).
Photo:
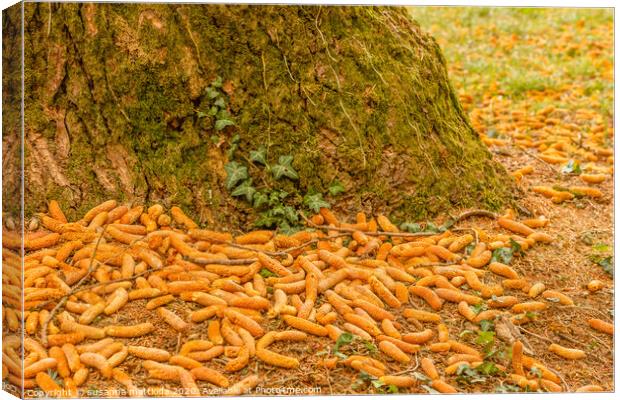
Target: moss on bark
(358,94)
(11,110)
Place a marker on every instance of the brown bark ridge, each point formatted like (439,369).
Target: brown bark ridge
(11,113)
(117,101)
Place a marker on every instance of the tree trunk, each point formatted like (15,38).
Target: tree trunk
(118,98)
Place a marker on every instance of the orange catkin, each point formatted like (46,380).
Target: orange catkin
(245,322)
(363,323)
(97,361)
(442,387)
(503,270)
(398,381)
(421,315)
(428,295)
(565,352)
(593,178)
(388,327)
(384,293)
(428,366)
(404,346)
(48,385)
(419,337)
(271,357)
(601,326)
(272,265)
(210,375)
(515,226)
(56,212)
(305,325)
(180,218)
(130,331)
(62,365)
(528,306)
(517,355)
(394,352)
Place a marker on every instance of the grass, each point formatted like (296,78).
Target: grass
(514,51)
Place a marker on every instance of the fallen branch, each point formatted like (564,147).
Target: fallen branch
(475,213)
(535,335)
(412,369)
(206,261)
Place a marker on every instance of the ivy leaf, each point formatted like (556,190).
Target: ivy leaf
(572,167)
(602,247)
(245,189)
(222,113)
(288,230)
(516,247)
(606,263)
(265,273)
(467,374)
(364,376)
(485,338)
(431,227)
(259,199)
(466,370)
(478,308)
(234,145)
(259,156)
(284,168)
(344,338)
(265,221)
(448,224)
(393,388)
(536,371)
(507,388)
(486,325)
(336,188)
(470,247)
(212,111)
(503,255)
(220,103)
(421,377)
(287,212)
(276,197)
(222,123)
(411,227)
(377,383)
(212,93)
(372,349)
(235,173)
(217,82)
(315,202)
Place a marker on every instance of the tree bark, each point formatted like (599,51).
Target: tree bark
(116,97)
(11,112)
